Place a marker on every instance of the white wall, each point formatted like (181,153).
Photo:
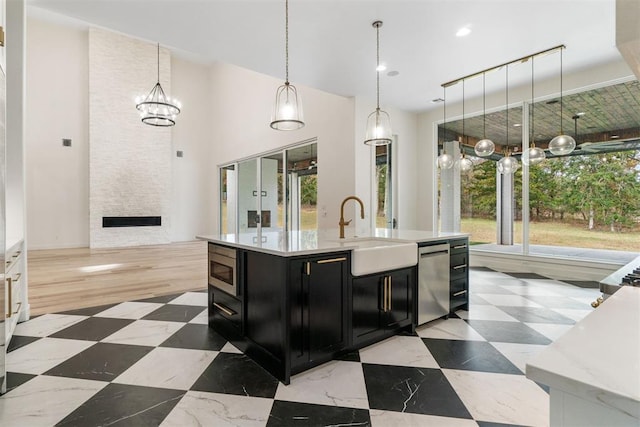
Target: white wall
(242,103)
(405,126)
(57,177)
(194,175)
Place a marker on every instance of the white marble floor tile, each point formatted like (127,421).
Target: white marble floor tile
(518,354)
(550,330)
(230,348)
(47,324)
(144,332)
(485,312)
(164,367)
(42,355)
(335,383)
(588,299)
(532,290)
(399,351)
(130,310)
(487,275)
(44,400)
(220,410)
(192,298)
(501,398)
(508,300)
(201,319)
(390,418)
(449,329)
(573,314)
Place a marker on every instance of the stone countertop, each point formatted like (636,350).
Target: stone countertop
(307,242)
(599,358)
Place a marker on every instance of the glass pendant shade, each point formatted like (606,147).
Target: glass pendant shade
(445,161)
(484,147)
(507,165)
(378,128)
(562,145)
(287,111)
(533,156)
(465,164)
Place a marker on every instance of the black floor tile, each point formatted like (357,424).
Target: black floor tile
(537,315)
(89,311)
(15,379)
(513,332)
(125,405)
(175,313)
(558,302)
(413,390)
(232,373)
(161,299)
(285,414)
(18,341)
(197,337)
(527,276)
(489,424)
(352,356)
(101,362)
(470,356)
(583,283)
(92,329)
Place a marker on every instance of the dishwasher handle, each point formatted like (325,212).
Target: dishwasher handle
(429,254)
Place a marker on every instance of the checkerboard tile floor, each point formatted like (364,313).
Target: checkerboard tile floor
(156,362)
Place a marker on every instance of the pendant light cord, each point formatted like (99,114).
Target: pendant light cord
(377,67)
(561,127)
(158,62)
(507,103)
(532,132)
(463,134)
(444,119)
(286,40)
(484,108)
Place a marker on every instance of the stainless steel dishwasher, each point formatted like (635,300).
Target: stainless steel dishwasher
(433,282)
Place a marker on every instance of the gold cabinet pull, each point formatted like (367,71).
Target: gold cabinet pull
(328,261)
(460,247)
(9,297)
(1,36)
(458,267)
(390,293)
(384,294)
(224,309)
(308,268)
(457,294)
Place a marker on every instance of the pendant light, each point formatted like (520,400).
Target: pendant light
(562,144)
(507,164)
(378,123)
(157,109)
(445,161)
(533,155)
(485,147)
(287,111)
(464,163)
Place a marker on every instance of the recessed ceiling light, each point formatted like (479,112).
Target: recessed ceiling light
(436,100)
(517,125)
(381,67)
(464,31)
(581,113)
(393,73)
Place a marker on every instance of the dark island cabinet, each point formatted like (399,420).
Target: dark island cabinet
(459,275)
(318,295)
(381,304)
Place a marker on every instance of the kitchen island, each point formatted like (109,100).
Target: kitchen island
(292,301)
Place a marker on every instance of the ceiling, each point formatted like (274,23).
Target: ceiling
(332,43)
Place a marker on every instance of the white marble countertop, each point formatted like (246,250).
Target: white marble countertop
(319,241)
(599,358)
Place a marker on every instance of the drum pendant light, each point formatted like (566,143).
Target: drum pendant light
(485,147)
(157,109)
(445,161)
(562,144)
(287,111)
(533,155)
(507,164)
(378,123)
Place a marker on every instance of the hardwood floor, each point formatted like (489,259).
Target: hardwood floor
(66,279)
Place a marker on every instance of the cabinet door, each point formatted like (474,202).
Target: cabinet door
(367,303)
(400,312)
(318,294)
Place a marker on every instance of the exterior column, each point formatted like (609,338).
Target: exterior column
(505,208)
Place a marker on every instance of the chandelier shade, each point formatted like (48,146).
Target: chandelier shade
(378,131)
(287,110)
(445,161)
(507,164)
(157,109)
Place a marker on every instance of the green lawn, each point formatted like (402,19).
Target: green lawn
(555,234)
